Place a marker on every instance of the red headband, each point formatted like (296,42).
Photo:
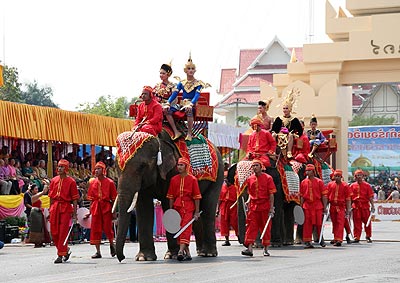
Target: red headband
(102,166)
(183,160)
(64,163)
(310,167)
(149,89)
(256,121)
(338,172)
(359,171)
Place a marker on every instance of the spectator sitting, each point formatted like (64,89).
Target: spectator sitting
(5,184)
(394,195)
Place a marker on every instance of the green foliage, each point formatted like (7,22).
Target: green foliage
(11,90)
(243,120)
(107,106)
(15,221)
(371,121)
(35,95)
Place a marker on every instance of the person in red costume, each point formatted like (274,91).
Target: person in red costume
(313,199)
(229,217)
(261,189)
(101,194)
(339,197)
(301,148)
(184,196)
(363,206)
(63,191)
(261,144)
(150,114)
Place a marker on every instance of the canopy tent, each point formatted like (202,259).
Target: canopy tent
(222,135)
(45,123)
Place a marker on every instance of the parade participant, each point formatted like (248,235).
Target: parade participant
(363,206)
(149,117)
(302,147)
(288,123)
(101,194)
(262,112)
(313,199)
(261,189)
(163,89)
(261,145)
(191,89)
(339,197)
(315,136)
(229,217)
(184,196)
(63,191)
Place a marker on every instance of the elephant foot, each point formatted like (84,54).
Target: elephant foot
(120,257)
(297,242)
(142,257)
(204,253)
(288,243)
(170,255)
(276,245)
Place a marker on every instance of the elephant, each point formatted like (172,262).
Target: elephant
(142,174)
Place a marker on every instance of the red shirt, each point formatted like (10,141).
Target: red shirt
(228,193)
(261,142)
(312,191)
(62,192)
(338,194)
(361,194)
(153,113)
(184,190)
(102,194)
(260,188)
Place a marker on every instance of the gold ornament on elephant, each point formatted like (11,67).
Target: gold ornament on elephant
(283,140)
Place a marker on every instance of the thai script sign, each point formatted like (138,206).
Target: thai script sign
(387,211)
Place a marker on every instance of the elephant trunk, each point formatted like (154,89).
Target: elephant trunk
(125,196)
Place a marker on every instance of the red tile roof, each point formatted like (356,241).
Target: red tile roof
(254,80)
(246,57)
(228,77)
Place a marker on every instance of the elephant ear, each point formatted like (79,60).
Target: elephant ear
(170,157)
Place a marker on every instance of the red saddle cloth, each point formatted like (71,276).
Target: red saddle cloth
(127,145)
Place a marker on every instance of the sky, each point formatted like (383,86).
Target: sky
(84,49)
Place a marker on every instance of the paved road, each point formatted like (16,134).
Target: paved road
(376,262)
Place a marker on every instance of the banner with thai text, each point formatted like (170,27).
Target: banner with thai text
(374,148)
(387,211)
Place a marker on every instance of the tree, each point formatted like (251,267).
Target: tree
(243,120)
(11,90)
(38,96)
(107,106)
(370,121)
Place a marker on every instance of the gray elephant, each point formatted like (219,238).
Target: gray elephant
(142,174)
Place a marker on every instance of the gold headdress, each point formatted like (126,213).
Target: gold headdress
(290,99)
(190,62)
(266,103)
(167,67)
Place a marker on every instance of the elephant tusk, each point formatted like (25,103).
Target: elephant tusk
(114,205)
(133,204)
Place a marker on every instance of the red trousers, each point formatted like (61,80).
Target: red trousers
(101,222)
(312,217)
(255,222)
(59,231)
(347,226)
(229,218)
(338,219)
(361,215)
(184,238)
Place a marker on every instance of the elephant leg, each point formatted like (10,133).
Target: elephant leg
(172,243)
(145,222)
(241,219)
(299,234)
(289,224)
(278,225)
(207,242)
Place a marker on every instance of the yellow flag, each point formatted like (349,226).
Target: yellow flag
(1,76)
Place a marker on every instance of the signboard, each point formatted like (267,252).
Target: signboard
(387,211)
(374,148)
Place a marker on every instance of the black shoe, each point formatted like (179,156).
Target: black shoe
(65,258)
(187,258)
(227,243)
(348,240)
(266,253)
(323,244)
(180,256)
(247,252)
(333,242)
(96,255)
(59,260)
(308,245)
(355,241)
(368,239)
(337,244)
(112,250)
